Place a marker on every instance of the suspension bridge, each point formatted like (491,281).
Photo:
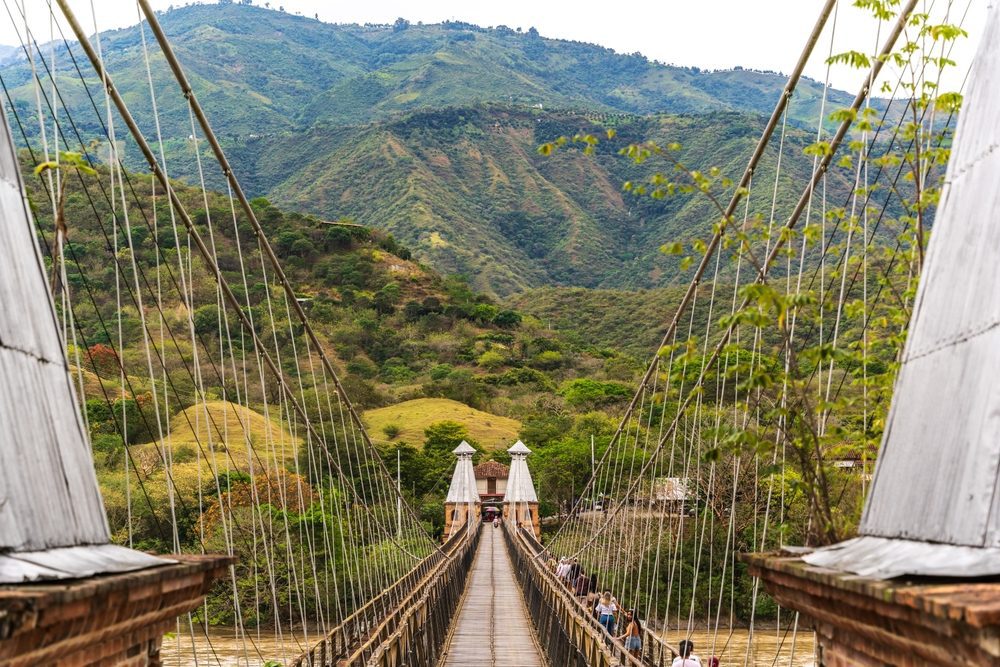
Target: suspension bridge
(765,398)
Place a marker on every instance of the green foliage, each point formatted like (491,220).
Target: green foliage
(441,438)
(441,371)
(206,319)
(547,360)
(544,428)
(444,166)
(491,360)
(523,376)
(584,392)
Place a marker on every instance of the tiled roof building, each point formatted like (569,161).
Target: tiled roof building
(493,469)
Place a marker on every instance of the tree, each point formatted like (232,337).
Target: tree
(444,436)
(508,319)
(400,25)
(206,319)
(491,360)
(548,360)
(68,161)
(562,470)
(105,360)
(585,392)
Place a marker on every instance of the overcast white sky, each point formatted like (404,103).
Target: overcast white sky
(714,34)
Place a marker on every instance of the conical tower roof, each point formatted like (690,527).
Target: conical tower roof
(519,448)
(463,479)
(520,487)
(933,508)
(50,497)
(464,448)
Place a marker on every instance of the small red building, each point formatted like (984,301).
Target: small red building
(491,483)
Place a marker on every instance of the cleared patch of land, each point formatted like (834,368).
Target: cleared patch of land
(238,427)
(412,417)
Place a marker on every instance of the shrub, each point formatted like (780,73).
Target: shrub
(362,367)
(441,371)
(508,319)
(391,431)
(206,319)
(518,376)
(395,370)
(484,312)
(105,360)
(584,392)
(548,360)
(104,442)
(491,359)
(183,454)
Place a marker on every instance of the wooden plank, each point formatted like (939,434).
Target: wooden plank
(492,627)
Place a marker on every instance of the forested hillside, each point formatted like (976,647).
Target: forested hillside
(260,70)
(430,132)
(452,362)
(467,190)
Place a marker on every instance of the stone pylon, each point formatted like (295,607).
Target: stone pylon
(462,503)
(520,504)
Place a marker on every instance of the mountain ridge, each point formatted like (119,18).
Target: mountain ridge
(430,131)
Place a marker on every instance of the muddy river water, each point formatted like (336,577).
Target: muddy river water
(222,648)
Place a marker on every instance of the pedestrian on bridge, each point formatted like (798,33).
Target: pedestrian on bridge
(686,659)
(606,609)
(633,633)
(563,569)
(582,584)
(575,569)
(592,592)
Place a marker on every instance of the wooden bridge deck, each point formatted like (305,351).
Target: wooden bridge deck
(492,627)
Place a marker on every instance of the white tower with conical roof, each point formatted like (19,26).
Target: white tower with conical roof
(520,503)
(462,503)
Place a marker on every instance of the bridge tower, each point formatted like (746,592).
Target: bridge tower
(520,503)
(462,504)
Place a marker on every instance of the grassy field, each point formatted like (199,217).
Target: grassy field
(237,426)
(220,431)
(412,417)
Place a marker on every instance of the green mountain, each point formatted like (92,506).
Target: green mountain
(430,132)
(259,70)
(468,191)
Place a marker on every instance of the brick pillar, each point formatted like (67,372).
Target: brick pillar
(874,622)
(115,620)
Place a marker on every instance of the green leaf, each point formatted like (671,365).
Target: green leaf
(854,59)
(819,149)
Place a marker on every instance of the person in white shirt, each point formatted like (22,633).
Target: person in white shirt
(685,659)
(606,609)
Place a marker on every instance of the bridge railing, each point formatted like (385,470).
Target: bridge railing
(408,622)
(567,628)
(569,638)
